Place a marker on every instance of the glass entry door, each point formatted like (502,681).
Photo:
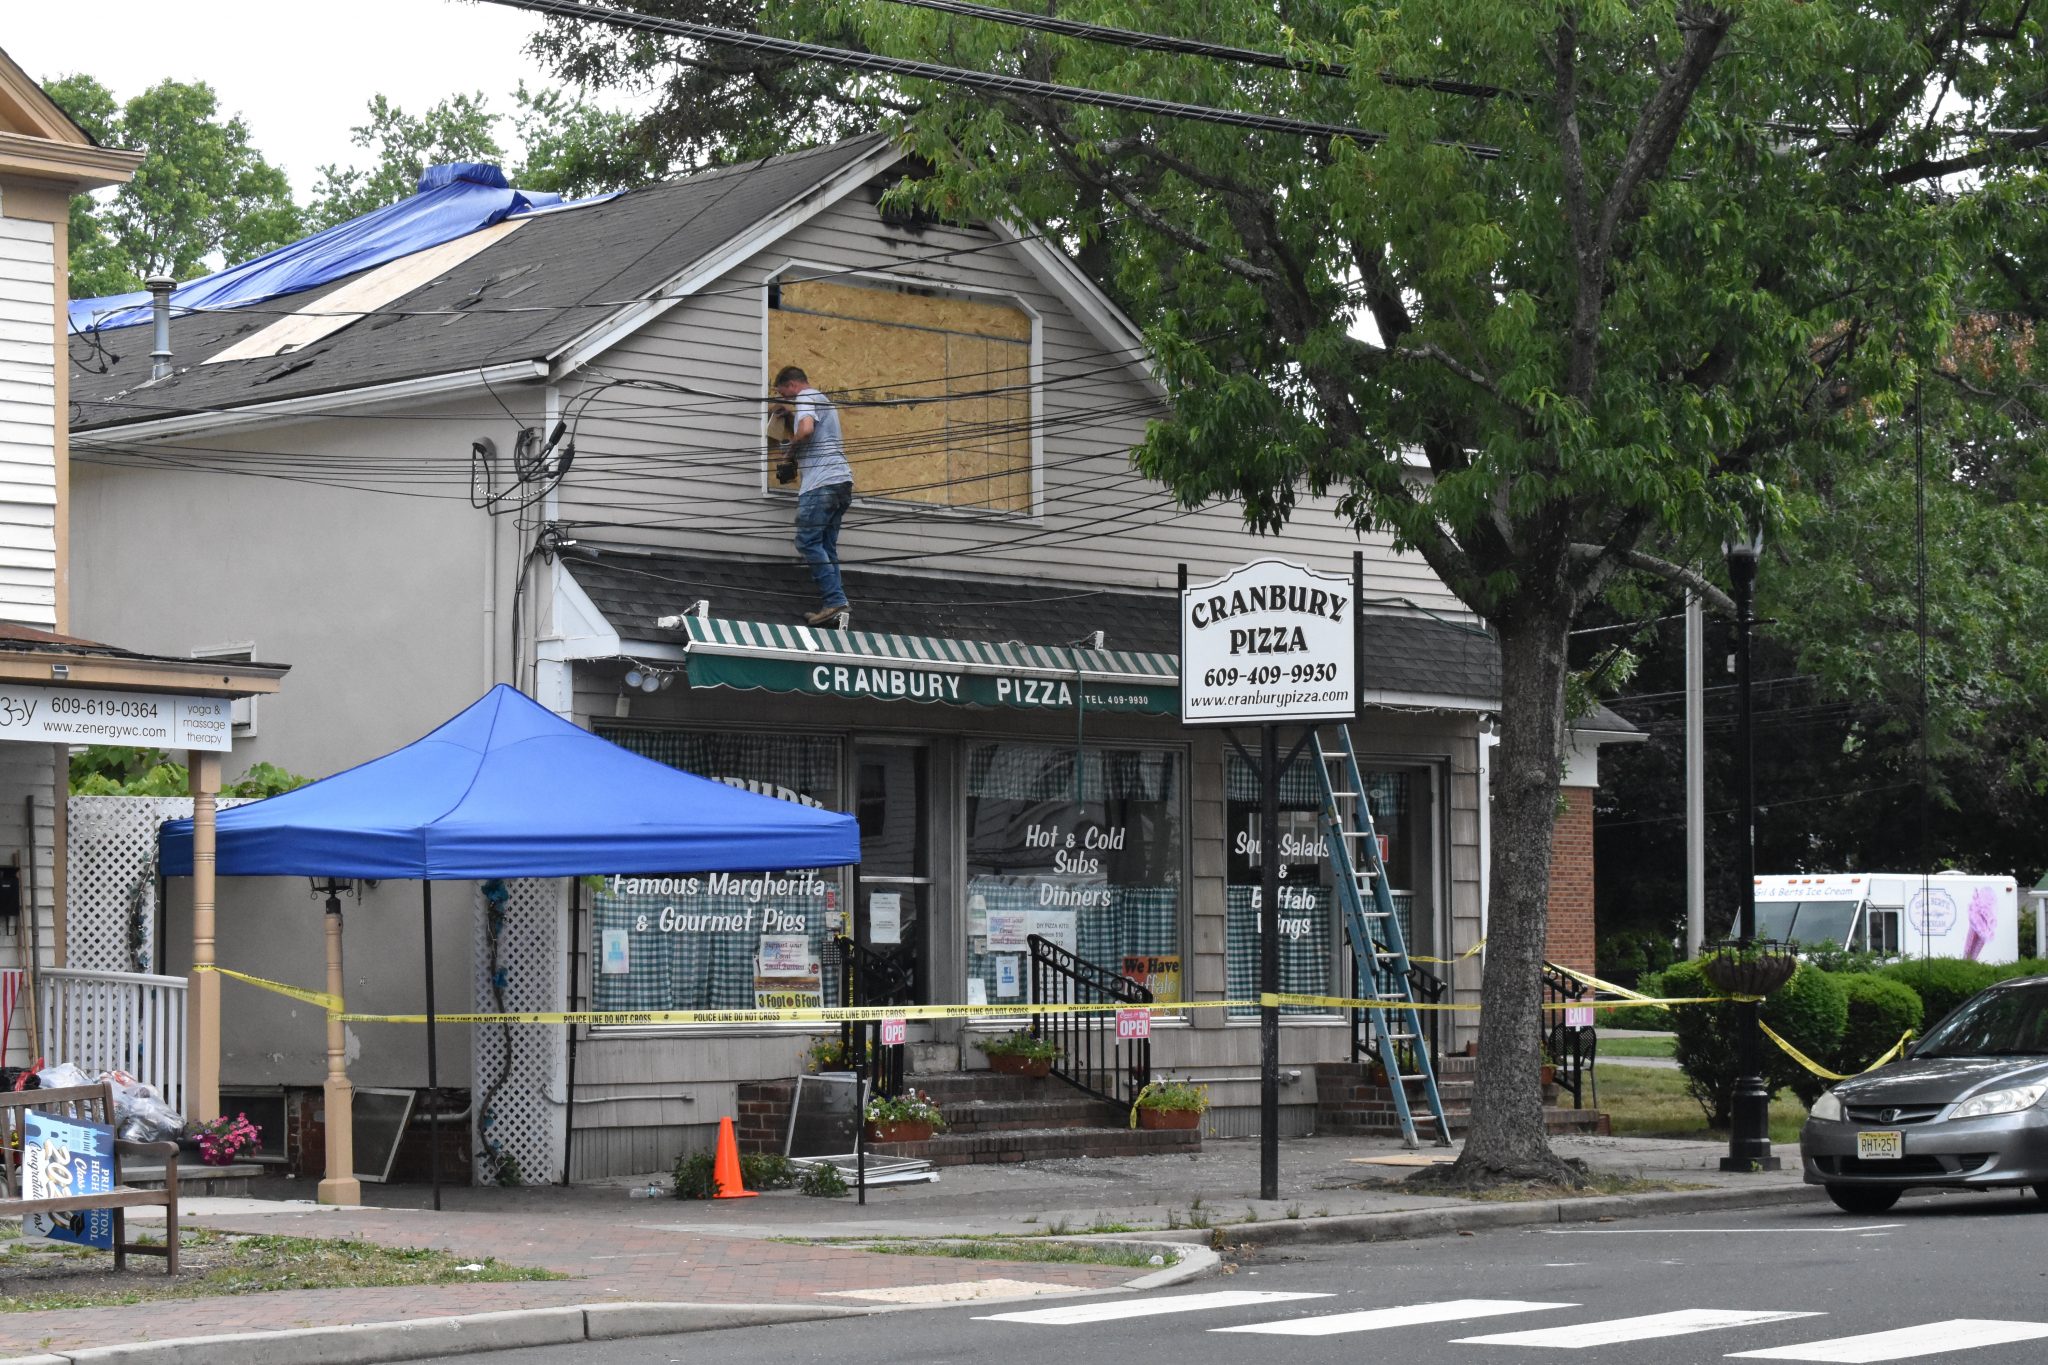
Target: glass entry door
(893,901)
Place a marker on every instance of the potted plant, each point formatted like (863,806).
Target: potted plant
(831,1053)
(909,1117)
(1019,1054)
(1546,1066)
(221,1140)
(1170,1104)
(1754,969)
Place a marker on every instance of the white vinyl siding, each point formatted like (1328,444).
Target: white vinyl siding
(688,468)
(28,430)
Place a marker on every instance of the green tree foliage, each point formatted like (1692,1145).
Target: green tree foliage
(109,770)
(1616,275)
(720,105)
(202,192)
(1810,1012)
(576,148)
(573,148)
(459,128)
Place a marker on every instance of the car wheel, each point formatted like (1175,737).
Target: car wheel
(2041,1191)
(1863,1198)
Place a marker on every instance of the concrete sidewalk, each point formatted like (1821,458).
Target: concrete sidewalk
(657,1265)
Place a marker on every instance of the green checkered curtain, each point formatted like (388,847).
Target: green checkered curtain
(695,967)
(1305,959)
(804,765)
(1045,772)
(692,968)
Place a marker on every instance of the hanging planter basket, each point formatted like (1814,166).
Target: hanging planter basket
(1758,969)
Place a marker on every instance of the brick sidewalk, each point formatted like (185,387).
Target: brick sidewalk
(623,1255)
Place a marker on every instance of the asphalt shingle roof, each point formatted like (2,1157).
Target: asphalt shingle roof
(622,249)
(1414,655)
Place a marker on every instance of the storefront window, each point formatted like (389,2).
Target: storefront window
(1093,866)
(1313,945)
(718,940)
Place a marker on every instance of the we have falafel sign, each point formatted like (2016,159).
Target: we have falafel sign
(1268,642)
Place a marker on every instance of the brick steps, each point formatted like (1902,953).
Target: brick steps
(993,1119)
(983,1116)
(1346,1102)
(1041,1144)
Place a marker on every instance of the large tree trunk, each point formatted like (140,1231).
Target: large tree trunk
(1507,1138)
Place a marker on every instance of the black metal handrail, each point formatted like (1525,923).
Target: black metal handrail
(1572,1048)
(867,977)
(1092,1058)
(1424,987)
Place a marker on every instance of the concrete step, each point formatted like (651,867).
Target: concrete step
(964,1087)
(1041,1144)
(982,1116)
(197,1180)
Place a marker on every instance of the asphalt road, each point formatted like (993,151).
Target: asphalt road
(1956,1279)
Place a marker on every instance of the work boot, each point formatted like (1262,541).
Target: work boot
(835,617)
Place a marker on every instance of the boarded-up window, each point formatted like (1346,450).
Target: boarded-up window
(934,392)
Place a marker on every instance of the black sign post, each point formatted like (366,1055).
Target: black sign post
(1269,962)
(1269,644)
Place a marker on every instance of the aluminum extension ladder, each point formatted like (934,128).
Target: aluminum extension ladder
(1377,944)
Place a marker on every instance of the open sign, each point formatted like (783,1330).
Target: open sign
(894,1031)
(1133,1024)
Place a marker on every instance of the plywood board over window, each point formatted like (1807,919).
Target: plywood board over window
(934,391)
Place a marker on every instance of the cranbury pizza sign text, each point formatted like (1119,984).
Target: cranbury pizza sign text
(1270,641)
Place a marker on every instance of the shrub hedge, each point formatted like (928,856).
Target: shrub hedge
(1654,1018)
(1942,983)
(1879,1010)
(1811,1012)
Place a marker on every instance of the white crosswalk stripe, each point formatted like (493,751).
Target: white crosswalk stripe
(1931,1338)
(1617,1330)
(1376,1319)
(1075,1314)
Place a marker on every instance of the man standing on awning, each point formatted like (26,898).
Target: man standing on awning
(818,453)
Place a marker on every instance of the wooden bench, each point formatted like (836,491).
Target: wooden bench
(89,1104)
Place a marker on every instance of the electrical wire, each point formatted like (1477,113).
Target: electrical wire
(984,82)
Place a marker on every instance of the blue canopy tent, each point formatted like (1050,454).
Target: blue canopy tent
(509,789)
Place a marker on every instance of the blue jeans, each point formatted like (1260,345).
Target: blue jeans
(818,514)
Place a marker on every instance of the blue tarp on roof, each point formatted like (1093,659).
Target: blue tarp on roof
(509,789)
(453,201)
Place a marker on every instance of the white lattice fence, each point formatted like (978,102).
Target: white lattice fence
(110,918)
(517,1065)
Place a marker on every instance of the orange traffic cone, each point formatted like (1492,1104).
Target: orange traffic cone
(725,1168)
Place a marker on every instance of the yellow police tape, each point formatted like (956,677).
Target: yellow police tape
(1816,1068)
(331,1003)
(1448,961)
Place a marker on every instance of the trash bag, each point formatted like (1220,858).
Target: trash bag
(140,1114)
(62,1075)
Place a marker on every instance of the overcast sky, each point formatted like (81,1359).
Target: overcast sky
(299,74)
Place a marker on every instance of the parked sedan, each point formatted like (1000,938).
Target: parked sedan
(1963,1109)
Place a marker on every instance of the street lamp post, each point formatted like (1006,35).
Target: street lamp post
(1749,1139)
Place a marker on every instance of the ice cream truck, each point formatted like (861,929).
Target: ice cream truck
(1901,914)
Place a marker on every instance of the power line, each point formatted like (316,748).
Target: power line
(985,82)
(1142,41)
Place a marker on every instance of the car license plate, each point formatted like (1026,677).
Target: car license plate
(1880,1146)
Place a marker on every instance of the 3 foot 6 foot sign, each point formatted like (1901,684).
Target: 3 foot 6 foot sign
(1271,641)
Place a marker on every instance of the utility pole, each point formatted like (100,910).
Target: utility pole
(1695,775)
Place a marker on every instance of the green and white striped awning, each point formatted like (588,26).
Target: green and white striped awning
(770,657)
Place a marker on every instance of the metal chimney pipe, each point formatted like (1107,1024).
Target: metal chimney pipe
(160,287)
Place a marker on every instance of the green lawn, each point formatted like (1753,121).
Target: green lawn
(45,1277)
(1638,1047)
(1647,1102)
